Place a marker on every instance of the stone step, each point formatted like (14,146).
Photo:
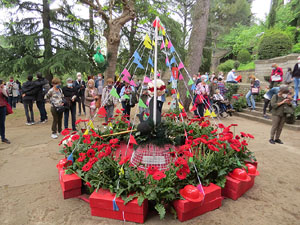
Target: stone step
(266,121)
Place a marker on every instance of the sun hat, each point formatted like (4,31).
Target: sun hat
(252,170)
(191,193)
(240,174)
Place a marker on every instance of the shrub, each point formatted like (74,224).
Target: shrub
(231,90)
(226,66)
(236,64)
(244,56)
(296,48)
(273,44)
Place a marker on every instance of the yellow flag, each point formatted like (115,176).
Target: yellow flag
(121,171)
(207,113)
(110,125)
(166,42)
(90,124)
(213,114)
(152,71)
(147,39)
(86,132)
(148,45)
(178,95)
(180,106)
(164,32)
(153,43)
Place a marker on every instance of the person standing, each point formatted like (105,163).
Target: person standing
(28,94)
(126,90)
(202,92)
(13,92)
(3,102)
(213,86)
(278,103)
(296,79)
(108,101)
(99,84)
(42,87)
(70,95)
(55,95)
(90,98)
(19,99)
(231,77)
(80,87)
(221,86)
(287,79)
(254,90)
(144,97)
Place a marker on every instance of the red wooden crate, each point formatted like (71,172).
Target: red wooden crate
(69,181)
(101,204)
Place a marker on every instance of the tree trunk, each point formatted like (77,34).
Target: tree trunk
(47,35)
(272,14)
(197,41)
(92,28)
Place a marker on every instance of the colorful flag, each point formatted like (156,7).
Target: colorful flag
(90,123)
(180,77)
(150,61)
(173,60)
(126,96)
(180,65)
(136,56)
(147,79)
(180,106)
(102,112)
(191,82)
(207,113)
(114,93)
(125,79)
(170,45)
(162,45)
(70,157)
(132,83)
(132,140)
(140,66)
(188,94)
(142,104)
(126,73)
(172,49)
(194,108)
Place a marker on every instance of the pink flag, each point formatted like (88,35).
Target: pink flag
(180,66)
(162,45)
(180,77)
(132,83)
(126,73)
(125,78)
(170,44)
(158,75)
(147,79)
(167,59)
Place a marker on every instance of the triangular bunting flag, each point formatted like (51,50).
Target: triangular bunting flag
(180,66)
(126,73)
(125,79)
(194,108)
(140,66)
(114,93)
(152,71)
(162,45)
(148,45)
(86,132)
(172,49)
(178,95)
(126,96)
(207,113)
(136,61)
(180,77)
(90,123)
(132,83)
(213,114)
(110,125)
(180,106)
(147,79)
(150,61)
(132,140)
(191,82)
(136,56)
(164,32)
(147,38)
(102,112)
(188,94)
(173,60)
(142,104)
(70,157)
(169,45)
(160,33)
(193,87)
(153,43)
(166,42)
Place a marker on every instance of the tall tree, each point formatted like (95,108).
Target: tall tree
(200,14)
(272,14)
(113,26)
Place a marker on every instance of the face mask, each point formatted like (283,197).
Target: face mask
(11,80)
(194,78)
(215,81)
(100,78)
(273,68)
(284,95)
(69,84)
(57,86)
(90,85)
(109,85)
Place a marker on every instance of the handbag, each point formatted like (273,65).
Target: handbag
(199,100)
(254,90)
(8,109)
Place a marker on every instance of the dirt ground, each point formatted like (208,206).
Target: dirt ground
(30,192)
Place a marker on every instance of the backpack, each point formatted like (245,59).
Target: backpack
(46,88)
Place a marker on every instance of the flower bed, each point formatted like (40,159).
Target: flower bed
(198,150)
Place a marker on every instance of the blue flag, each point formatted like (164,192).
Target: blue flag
(70,157)
(136,61)
(172,49)
(150,61)
(136,55)
(140,66)
(193,87)
(173,60)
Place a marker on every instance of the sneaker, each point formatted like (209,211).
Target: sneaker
(6,141)
(45,121)
(266,97)
(272,141)
(54,136)
(266,117)
(79,114)
(278,141)
(32,123)
(28,124)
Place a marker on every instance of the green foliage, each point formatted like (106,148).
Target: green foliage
(236,64)
(296,48)
(231,90)
(274,43)
(260,96)
(297,111)
(240,104)
(244,56)
(226,66)
(248,66)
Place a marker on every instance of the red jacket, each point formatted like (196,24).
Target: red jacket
(277,71)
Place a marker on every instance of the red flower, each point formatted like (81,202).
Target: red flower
(118,111)
(122,109)
(235,97)
(152,170)
(93,160)
(124,160)
(114,141)
(107,150)
(75,137)
(234,147)
(180,161)
(90,153)
(101,155)
(250,136)
(190,137)
(88,184)
(234,125)
(221,125)
(237,137)
(203,141)
(158,175)
(172,154)
(66,131)
(87,167)
(111,132)
(244,142)
(191,131)
(181,174)
(244,134)
(82,157)
(78,121)
(204,136)
(68,163)
(214,131)
(213,148)
(188,153)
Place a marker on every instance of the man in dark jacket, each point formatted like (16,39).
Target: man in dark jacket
(41,88)
(28,94)
(70,95)
(296,78)
(79,85)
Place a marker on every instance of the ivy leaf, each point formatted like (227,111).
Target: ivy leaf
(161,210)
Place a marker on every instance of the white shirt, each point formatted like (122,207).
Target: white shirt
(231,76)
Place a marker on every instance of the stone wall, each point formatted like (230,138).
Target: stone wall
(263,67)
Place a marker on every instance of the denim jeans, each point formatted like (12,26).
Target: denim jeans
(296,86)
(250,100)
(73,116)
(42,109)
(272,92)
(28,106)
(2,121)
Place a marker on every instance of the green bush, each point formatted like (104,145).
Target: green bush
(231,90)
(244,56)
(274,43)
(248,66)
(226,66)
(236,64)
(296,48)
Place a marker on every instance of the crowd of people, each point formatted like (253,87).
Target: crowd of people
(89,96)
